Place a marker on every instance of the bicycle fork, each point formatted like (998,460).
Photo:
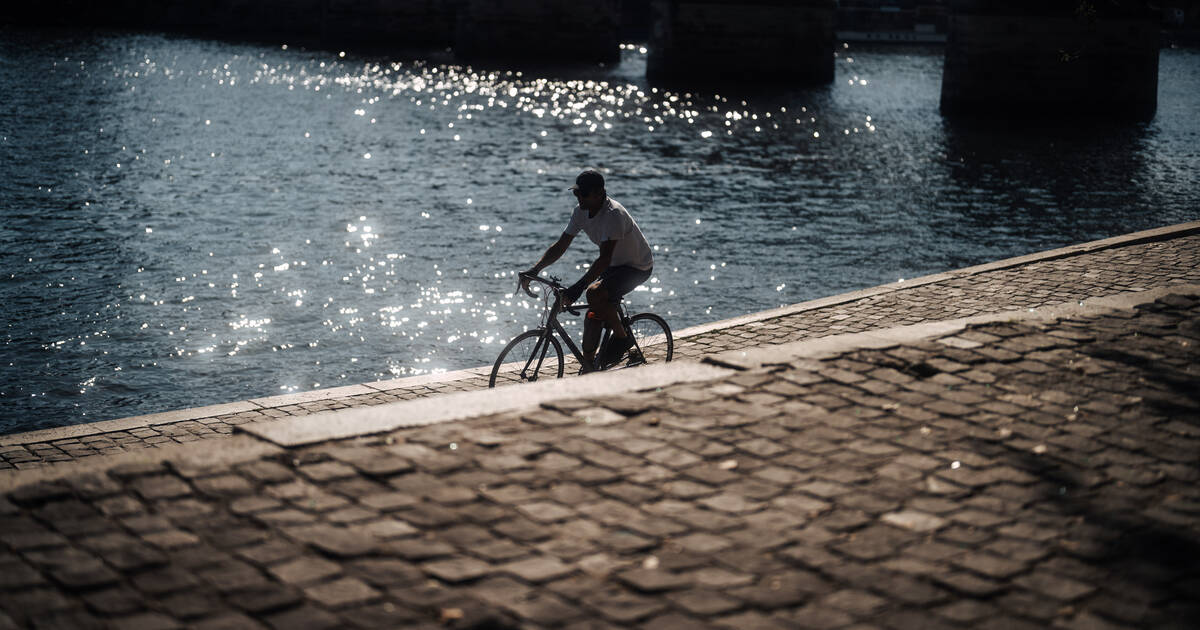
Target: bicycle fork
(538,354)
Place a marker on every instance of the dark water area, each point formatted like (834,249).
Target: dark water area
(189,222)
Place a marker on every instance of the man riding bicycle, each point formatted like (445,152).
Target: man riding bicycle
(625,261)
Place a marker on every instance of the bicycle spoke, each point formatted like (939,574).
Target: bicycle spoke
(652,340)
(530,357)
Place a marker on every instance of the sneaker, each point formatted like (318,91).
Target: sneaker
(616,348)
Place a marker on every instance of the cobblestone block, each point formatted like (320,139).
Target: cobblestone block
(265,471)
(537,568)
(456,570)
(39,493)
(253,504)
(305,617)
(16,575)
(304,570)
(621,606)
(232,576)
(914,520)
(545,511)
(417,550)
(154,487)
(968,584)
(162,581)
(731,503)
(1054,585)
(133,557)
(92,487)
(340,593)
(113,601)
(223,485)
(327,471)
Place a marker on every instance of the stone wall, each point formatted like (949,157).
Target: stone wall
(398,24)
(546,30)
(775,40)
(1020,59)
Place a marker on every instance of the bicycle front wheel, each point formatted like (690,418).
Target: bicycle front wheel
(652,337)
(533,355)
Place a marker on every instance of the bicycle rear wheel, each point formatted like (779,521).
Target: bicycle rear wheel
(652,337)
(533,355)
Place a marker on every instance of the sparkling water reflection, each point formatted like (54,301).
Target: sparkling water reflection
(190,222)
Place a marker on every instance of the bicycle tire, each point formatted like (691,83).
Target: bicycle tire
(653,337)
(514,359)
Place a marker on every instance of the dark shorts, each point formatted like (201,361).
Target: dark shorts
(620,280)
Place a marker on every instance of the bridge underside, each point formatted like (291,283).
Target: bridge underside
(1016,61)
(1009,58)
(773,40)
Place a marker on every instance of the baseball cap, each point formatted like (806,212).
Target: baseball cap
(588,181)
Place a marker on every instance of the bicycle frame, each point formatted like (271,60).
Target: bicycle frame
(551,325)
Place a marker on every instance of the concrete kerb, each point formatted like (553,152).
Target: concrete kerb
(232,451)
(823,347)
(1135,238)
(171,417)
(346,423)
(126,424)
(254,404)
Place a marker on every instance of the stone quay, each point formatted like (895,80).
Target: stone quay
(1013,445)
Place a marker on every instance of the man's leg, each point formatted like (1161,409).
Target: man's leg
(591,338)
(599,302)
(597,297)
(603,296)
(607,312)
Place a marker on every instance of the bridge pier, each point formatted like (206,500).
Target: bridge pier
(555,30)
(1037,59)
(775,40)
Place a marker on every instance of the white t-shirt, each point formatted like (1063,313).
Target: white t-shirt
(613,223)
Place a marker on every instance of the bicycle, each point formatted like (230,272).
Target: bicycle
(536,353)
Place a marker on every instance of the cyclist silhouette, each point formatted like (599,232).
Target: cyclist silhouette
(625,261)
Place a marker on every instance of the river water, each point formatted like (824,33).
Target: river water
(188,222)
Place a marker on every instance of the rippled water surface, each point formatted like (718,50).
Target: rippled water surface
(187,222)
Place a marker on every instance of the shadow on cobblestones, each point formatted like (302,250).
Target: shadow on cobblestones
(1122,492)
(1144,556)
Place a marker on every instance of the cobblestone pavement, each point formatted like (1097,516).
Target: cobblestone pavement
(1012,475)
(1037,284)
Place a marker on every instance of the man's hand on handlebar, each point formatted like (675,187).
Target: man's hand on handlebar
(523,282)
(571,294)
(567,295)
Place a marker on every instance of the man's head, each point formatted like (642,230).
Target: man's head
(589,190)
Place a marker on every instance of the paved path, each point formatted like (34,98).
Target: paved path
(1140,261)
(1023,473)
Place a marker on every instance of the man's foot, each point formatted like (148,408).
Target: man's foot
(616,348)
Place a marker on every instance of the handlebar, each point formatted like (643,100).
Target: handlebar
(551,283)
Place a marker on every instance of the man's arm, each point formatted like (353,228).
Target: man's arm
(553,253)
(598,266)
